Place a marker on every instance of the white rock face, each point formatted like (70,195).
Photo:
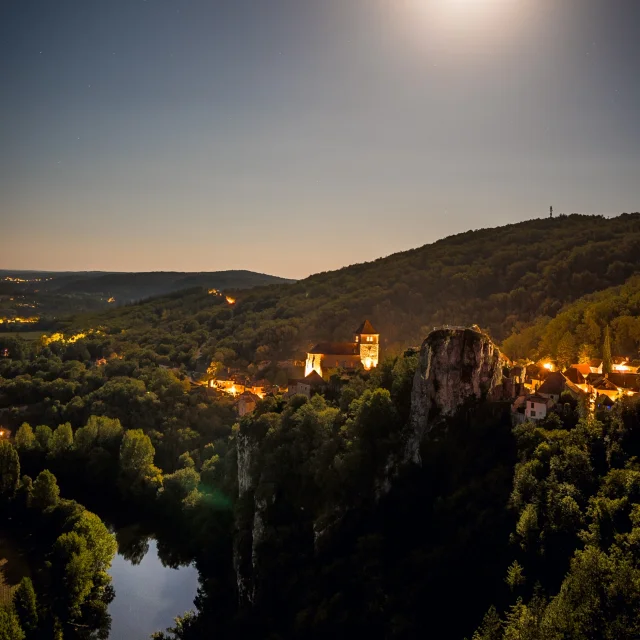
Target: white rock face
(244,451)
(455,365)
(245,585)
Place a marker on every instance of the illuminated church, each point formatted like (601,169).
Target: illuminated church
(364,351)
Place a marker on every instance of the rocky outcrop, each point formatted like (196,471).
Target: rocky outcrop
(456,365)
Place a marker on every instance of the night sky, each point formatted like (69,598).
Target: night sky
(297,136)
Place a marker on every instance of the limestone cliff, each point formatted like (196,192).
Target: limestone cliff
(249,521)
(456,365)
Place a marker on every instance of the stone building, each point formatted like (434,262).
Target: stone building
(364,351)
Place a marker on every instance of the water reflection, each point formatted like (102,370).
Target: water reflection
(151,588)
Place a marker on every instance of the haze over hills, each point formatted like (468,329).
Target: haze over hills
(502,279)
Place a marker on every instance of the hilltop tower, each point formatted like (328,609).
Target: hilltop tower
(369,342)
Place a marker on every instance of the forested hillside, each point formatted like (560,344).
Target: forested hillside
(502,279)
(578,330)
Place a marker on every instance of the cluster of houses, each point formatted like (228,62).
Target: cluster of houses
(542,385)
(362,353)
(248,393)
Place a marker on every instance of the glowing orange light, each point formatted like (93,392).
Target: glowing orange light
(548,366)
(230,300)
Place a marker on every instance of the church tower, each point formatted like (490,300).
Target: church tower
(369,342)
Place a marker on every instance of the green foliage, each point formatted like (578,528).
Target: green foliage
(10,628)
(566,351)
(25,438)
(491,627)
(515,575)
(26,606)
(100,542)
(72,568)
(9,469)
(61,441)
(177,486)
(137,471)
(45,490)
(43,434)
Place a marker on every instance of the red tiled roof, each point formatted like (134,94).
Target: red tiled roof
(314,378)
(605,385)
(337,348)
(366,329)
(554,384)
(584,369)
(575,375)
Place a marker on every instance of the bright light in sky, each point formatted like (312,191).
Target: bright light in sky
(466,18)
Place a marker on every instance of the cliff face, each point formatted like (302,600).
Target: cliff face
(455,365)
(249,521)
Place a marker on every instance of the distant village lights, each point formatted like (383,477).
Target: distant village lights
(215,292)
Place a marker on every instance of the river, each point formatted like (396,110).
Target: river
(149,595)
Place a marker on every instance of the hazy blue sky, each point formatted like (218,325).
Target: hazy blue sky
(296,136)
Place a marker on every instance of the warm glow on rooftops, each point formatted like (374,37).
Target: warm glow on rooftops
(19,320)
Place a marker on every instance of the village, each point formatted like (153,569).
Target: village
(542,386)
(537,387)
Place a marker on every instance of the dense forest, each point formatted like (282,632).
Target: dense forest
(500,532)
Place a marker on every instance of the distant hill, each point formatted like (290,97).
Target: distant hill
(127,287)
(502,279)
(53,294)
